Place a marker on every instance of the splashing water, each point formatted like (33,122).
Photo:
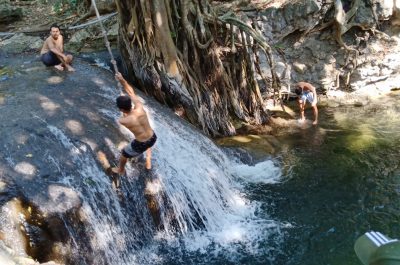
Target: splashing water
(205,214)
(201,205)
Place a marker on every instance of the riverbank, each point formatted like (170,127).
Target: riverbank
(273,139)
(358,73)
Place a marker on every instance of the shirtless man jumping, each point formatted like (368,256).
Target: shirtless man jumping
(134,119)
(52,53)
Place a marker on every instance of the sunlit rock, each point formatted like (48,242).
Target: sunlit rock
(74,126)
(299,67)
(3,185)
(25,168)
(54,80)
(21,138)
(20,43)
(48,105)
(61,199)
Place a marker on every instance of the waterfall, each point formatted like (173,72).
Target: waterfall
(196,186)
(199,190)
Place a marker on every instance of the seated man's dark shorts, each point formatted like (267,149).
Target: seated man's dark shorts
(50,59)
(136,148)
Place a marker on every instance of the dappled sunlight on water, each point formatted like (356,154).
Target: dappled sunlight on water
(366,139)
(62,198)
(343,186)
(21,138)
(26,169)
(75,127)
(53,80)
(332,182)
(48,105)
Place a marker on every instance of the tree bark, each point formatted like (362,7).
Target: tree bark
(185,54)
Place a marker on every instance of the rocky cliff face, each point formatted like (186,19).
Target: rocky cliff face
(304,35)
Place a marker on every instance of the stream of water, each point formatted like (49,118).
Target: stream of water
(340,179)
(305,204)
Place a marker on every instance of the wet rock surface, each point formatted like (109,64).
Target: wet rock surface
(317,58)
(51,123)
(20,42)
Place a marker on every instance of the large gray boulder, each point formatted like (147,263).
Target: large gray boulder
(9,13)
(311,52)
(21,43)
(91,38)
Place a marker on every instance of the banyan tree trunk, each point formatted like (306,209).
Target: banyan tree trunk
(184,53)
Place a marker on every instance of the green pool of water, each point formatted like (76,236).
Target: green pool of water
(342,179)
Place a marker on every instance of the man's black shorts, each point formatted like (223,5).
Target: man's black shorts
(136,148)
(50,59)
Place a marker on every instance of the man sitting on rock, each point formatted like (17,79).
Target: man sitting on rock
(52,53)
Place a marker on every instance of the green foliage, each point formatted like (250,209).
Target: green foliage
(65,6)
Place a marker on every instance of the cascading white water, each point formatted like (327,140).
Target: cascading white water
(201,186)
(200,179)
(195,178)
(100,204)
(198,188)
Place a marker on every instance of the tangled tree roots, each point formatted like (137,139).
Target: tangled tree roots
(192,54)
(343,21)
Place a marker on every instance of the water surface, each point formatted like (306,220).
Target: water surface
(342,179)
(302,196)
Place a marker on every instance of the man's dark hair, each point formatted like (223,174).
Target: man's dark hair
(55,26)
(297,91)
(124,103)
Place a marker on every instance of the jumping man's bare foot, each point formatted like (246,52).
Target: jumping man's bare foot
(59,67)
(116,170)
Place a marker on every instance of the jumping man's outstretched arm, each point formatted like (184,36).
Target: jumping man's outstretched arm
(129,90)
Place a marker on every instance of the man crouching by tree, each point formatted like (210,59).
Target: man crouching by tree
(134,119)
(52,53)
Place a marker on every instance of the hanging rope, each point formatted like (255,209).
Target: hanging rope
(114,63)
(105,36)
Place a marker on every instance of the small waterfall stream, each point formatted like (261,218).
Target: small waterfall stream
(197,190)
(198,194)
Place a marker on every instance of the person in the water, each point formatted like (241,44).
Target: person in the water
(52,53)
(134,119)
(307,92)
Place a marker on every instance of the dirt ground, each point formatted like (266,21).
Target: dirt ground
(40,14)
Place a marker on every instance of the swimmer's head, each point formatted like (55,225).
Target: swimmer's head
(124,103)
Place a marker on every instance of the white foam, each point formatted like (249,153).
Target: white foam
(264,172)
(197,178)
(208,208)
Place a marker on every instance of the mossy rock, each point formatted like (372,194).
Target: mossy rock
(9,13)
